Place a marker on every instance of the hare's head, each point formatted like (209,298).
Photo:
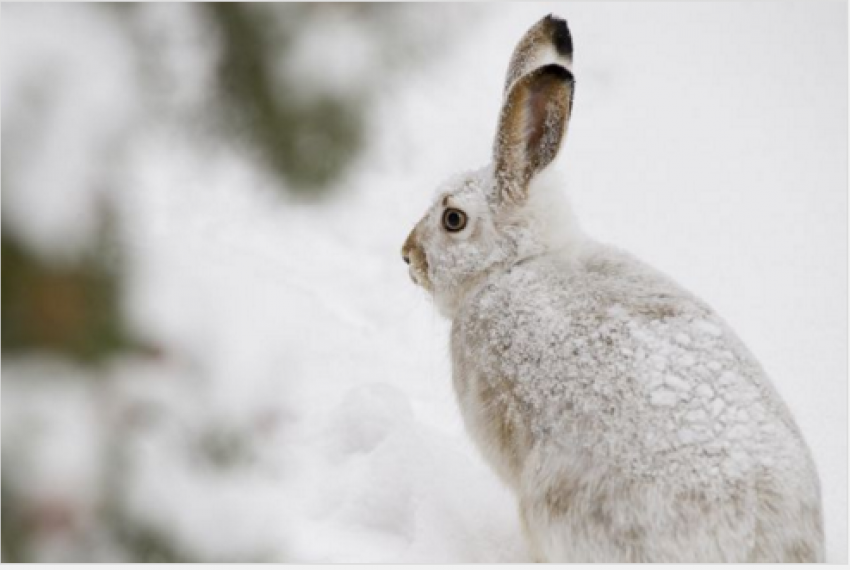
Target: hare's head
(488,219)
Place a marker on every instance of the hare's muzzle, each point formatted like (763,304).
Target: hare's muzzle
(409,245)
(414,256)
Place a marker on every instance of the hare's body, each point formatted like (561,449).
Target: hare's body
(630,421)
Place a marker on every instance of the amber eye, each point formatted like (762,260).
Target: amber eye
(454,220)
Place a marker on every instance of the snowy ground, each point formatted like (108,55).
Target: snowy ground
(709,139)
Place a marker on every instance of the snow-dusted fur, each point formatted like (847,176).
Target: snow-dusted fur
(631,422)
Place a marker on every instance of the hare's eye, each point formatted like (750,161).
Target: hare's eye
(454,220)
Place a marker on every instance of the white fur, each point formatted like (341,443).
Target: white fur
(631,422)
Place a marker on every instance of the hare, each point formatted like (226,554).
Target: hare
(629,420)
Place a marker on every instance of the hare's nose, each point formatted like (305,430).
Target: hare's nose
(408,246)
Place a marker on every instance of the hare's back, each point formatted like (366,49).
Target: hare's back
(603,354)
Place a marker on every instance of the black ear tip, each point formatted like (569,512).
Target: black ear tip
(556,19)
(560,35)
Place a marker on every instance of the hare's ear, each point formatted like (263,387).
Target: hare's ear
(547,41)
(532,126)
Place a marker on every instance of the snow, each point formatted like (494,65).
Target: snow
(57,214)
(701,140)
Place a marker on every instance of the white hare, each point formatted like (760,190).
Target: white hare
(630,421)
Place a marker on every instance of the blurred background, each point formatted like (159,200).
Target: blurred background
(211,348)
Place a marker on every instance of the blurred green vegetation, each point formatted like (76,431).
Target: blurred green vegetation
(307,143)
(72,307)
(14,534)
